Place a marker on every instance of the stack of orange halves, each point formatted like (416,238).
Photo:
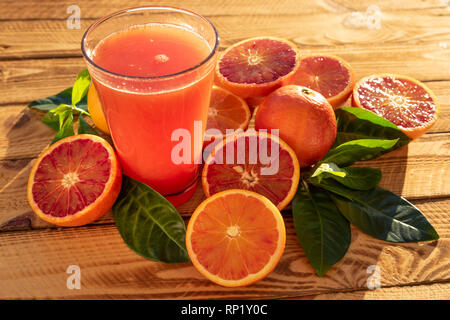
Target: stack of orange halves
(237,235)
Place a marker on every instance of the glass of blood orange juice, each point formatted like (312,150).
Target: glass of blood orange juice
(152,68)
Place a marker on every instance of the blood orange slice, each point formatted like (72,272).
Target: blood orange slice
(329,75)
(254,161)
(235,238)
(74,181)
(226,111)
(406,102)
(257,66)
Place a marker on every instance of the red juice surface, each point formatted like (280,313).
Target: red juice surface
(143,114)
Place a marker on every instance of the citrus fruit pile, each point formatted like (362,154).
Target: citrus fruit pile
(295,95)
(237,235)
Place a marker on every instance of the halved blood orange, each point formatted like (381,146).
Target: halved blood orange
(226,111)
(327,74)
(255,67)
(406,102)
(235,237)
(74,181)
(254,161)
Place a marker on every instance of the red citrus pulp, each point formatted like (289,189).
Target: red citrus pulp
(406,102)
(275,176)
(75,181)
(329,75)
(255,67)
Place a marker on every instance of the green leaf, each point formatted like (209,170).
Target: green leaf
(358,123)
(358,150)
(80,86)
(64,97)
(56,117)
(323,232)
(149,224)
(84,127)
(381,213)
(83,105)
(329,169)
(358,178)
(66,128)
(52,120)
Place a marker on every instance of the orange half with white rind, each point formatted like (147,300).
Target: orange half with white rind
(235,237)
(327,74)
(240,162)
(257,66)
(405,101)
(75,181)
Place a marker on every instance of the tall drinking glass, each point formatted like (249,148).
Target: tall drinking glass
(152,68)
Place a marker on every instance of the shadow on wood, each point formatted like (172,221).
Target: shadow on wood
(15,213)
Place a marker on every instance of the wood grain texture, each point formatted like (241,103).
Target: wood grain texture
(49,9)
(33,264)
(52,38)
(432,291)
(40,56)
(22,81)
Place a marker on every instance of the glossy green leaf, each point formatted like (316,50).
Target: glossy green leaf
(149,224)
(80,87)
(358,178)
(381,213)
(322,231)
(66,128)
(84,127)
(358,150)
(52,120)
(64,97)
(358,123)
(83,105)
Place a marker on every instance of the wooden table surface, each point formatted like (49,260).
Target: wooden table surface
(40,56)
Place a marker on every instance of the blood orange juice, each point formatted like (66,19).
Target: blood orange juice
(158,82)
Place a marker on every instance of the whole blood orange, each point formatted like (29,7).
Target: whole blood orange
(96,111)
(329,75)
(255,67)
(75,181)
(235,237)
(226,111)
(253,161)
(306,121)
(406,102)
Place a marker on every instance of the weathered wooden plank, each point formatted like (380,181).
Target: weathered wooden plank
(52,38)
(432,291)
(48,9)
(418,170)
(33,262)
(33,265)
(25,80)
